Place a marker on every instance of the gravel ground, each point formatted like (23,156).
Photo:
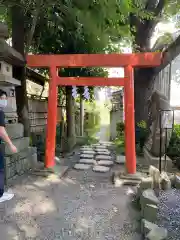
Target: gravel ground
(169,213)
(84,205)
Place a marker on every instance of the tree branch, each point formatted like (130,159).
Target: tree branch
(147,26)
(33,25)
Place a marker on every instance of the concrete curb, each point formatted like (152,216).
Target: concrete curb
(47,172)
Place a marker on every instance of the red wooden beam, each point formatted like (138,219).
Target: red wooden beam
(90,81)
(95,60)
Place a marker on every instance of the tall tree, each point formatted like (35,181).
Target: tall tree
(144,78)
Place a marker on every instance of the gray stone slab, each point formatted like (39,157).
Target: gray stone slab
(87,161)
(158,233)
(120,159)
(86,146)
(86,149)
(177,181)
(146,183)
(165,182)
(103,152)
(20,143)
(15,130)
(80,166)
(130,182)
(101,147)
(147,226)
(103,157)
(148,197)
(106,143)
(102,169)
(87,152)
(88,156)
(105,163)
(149,212)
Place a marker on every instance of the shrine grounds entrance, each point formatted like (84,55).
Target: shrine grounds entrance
(128,61)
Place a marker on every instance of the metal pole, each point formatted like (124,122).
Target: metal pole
(160,142)
(165,156)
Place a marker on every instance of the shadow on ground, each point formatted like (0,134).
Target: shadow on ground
(84,205)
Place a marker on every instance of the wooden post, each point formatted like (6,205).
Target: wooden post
(51,119)
(129,121)
(81,115)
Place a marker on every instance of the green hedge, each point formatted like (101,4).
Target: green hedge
(174,144)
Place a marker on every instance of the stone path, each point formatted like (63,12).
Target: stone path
(84,205)
(97,156)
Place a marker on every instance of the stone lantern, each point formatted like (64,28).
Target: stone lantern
(15,164)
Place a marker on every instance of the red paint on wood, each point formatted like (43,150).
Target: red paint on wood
(90,81)
(129,121)
(51,120)
(95,60)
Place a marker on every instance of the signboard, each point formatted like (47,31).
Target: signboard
(167,119)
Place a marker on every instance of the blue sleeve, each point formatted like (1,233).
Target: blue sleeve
(2,119)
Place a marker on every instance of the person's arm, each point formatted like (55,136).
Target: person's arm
(3,133)
(4,136)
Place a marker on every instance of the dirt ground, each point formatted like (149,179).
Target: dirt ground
(83,205)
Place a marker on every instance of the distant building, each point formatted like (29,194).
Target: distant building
(117,111)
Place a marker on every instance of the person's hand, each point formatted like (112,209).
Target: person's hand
(13,148)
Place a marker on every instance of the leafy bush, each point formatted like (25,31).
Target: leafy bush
(173,150)
(120,127)
(141,136)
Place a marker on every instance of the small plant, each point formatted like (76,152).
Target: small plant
(141,136)
(173,150)
(142,124)
(120,127)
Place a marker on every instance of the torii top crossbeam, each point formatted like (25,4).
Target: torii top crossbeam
(95,60)
(128,61)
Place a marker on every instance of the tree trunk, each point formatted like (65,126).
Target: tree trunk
(143,86)
(81,115)
(18,36)
(70,116)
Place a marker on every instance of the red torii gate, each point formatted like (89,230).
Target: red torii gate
(128,61)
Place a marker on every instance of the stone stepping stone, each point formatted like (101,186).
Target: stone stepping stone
(101,150)
(105,163)
(86,149)
(88,152)
(105,143)
(87,161)
(80,166)
(95,144)
(107,153)
(120,159)
(103,157)
(101,147)
(87,156)
(101,169)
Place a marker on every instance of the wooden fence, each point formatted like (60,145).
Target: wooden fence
(38,114)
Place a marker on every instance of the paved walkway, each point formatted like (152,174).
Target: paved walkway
(103,134)
(84,205)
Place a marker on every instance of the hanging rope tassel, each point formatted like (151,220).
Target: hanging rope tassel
(86,93)
(74,91)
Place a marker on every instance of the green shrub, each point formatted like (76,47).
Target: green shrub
(142,136)
(173,150)
(120,127)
